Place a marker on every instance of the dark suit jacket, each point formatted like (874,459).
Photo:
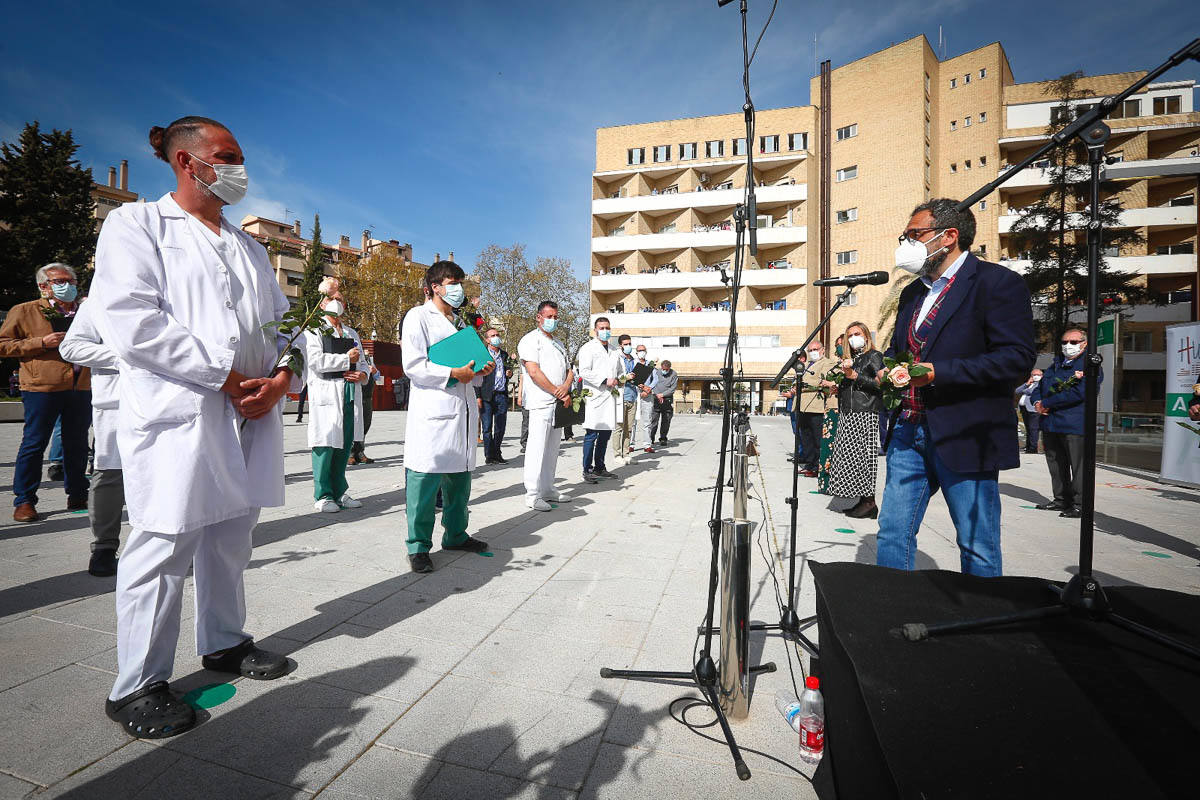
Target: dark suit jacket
(487,390)
(981,345)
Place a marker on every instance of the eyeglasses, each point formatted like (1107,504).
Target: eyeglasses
(60,281)
(913,233)
(1073,341)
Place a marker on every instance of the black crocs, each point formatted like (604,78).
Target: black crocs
(248,661)
(151,712)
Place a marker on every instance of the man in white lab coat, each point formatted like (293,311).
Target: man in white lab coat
(443,415)
(84,347)
(181,298)
(335,418)
(548,382)
(598,368)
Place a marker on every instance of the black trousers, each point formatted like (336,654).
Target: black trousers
(300,405)
(1033,423)
(661,415)
(368,393)
(810,424)
(1064,457)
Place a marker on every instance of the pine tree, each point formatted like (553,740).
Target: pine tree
(46,207)
(314,267)
(1052,231)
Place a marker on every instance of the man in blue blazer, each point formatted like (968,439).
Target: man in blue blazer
(970,323)
(493,400)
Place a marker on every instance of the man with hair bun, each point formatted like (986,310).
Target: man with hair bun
(183,296)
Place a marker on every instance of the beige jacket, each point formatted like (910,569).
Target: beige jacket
(42,368)
(814,402)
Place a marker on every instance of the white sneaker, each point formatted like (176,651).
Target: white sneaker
(539,505)
(555,496)
(349,502)
(327,506)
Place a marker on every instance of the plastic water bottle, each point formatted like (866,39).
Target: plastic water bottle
(811,721)
(789,706)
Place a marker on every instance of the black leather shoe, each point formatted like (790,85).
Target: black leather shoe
(79,503)
(590,478)
(54,472)
(603,473)
(471,545)
(489,461)
(103,563)
(864,509)
(500,460)
(420,562)
(1053,505)
(1073,513)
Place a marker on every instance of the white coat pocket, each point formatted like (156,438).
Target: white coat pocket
(154,400)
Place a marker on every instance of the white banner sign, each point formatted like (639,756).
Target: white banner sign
(1108,333)
(1181,435)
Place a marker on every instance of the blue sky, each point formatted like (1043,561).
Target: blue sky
(453,124)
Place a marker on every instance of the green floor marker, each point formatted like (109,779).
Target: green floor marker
(844,530)
(1034,507)
(814,491)
(1154,554)
(210,696)
(486,554)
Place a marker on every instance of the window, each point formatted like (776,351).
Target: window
(927,174)
(967,121)
(983,161)
(1137,342)
(1183,248)
(1060,114)
(1168,105)
(768,144)
(953,83)
(1130,108)
(927,106)
(928,131)
(617,231)
(953,125)
(953,167)
(797,141)
(847,173)
(714,148)
(967,78)
(687,151)
(295,280)
(983,116)
(847,257)
(739,146)
(983,249)
(636,155)
(982,74)
(1183,200)
(668,228)
(847,132)
(927,151)
(849,215)
(983,205)
(927,81)
(662,152)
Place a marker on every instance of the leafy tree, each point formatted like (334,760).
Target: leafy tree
(379,289)
(314,267)
(1052,231)
(511,290)
(46,210)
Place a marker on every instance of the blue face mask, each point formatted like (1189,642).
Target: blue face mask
(549,324)
(604,335)
(454,295)
(66,292)
(627,349)
(495,340)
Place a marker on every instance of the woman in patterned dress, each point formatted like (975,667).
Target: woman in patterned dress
(854,464)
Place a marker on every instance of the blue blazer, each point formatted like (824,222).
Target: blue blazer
(980,345)
(1066,407)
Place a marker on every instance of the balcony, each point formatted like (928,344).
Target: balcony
(714,356)
(1142,265)
(718,198)
(696,280)
(631,323)
(1153,168)
(709,240)
(1159,216)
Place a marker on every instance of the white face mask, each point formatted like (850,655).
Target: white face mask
(1072,350)
(334,308)
(1035,378)
(641,354)
(813,355)
(231,183)
(912,255)
(454,295)
(857,342)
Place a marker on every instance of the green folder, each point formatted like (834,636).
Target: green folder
(455,351)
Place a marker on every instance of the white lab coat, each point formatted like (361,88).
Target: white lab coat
(326,399)
(166,306)
(83,346)
(597,365)
(439,433)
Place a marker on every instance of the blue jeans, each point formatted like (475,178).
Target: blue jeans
(494,415)
(914,474)
(594,445)
(55,456)
(41,410)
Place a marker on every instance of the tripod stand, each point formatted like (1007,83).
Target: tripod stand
(704,673)
(1083,596)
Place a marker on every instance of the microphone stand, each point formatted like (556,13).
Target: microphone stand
(704,673)
(1083,596)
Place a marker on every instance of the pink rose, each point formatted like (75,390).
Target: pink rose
(899,376)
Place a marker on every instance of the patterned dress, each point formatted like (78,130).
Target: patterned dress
(828,432)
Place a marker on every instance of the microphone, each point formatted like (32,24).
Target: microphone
(874,278)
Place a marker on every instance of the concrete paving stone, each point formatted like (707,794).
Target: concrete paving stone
(569,584)
(428,661)
(98,613)
(622,773)
(14,788)
(624,564)
(64,725)
(32,646)
(283,611)
(542,662)
(583,628)
(294,731)
(455,619)
(452,782)
(140,771)
(382,772)
(588,607)
(535,736)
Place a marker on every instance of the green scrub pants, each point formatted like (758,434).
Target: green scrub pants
(329,463)
(420,492)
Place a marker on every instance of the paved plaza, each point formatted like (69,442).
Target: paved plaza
(481,680)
